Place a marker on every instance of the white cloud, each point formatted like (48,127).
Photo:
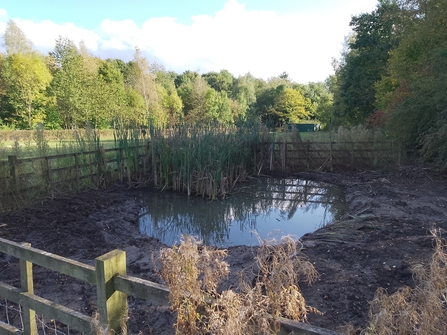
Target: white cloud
(3,15)
(261,42)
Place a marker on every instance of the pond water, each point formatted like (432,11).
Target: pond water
(261,207)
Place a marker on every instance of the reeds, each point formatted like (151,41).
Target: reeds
(205,160)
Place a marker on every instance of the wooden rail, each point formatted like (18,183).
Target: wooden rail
(108,274)
(113,287)
(24,180)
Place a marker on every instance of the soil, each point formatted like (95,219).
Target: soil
(376,243)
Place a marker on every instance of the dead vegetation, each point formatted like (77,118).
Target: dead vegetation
(420,310)
(193,272)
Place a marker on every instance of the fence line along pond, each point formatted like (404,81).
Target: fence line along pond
(261,207)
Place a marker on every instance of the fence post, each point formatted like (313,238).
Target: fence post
(26,283)
(282,148)
(14,172)
(50,183)
(78,172)
(121,167)
(112,305)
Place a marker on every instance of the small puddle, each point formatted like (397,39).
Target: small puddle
(265,205)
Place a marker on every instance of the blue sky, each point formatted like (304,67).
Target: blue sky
(264,37)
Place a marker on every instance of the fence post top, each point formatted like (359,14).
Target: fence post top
(111,254)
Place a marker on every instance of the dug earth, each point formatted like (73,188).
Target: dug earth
(376,243)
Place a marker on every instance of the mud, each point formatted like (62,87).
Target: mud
(375,244)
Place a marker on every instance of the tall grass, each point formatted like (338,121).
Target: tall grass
(206,160)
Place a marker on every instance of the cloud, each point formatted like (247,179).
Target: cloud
(3,15)
(264,43)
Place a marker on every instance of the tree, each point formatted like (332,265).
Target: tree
(375,35)
(412,95)
(222,81)
(281,105)
(25,78)
(289,106)
(170,100)
(143,81)
(244,97)
(318,100)
(75,87)
(15,41)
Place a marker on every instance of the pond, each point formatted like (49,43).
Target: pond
(260,208)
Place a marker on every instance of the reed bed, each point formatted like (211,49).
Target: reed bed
(208,161)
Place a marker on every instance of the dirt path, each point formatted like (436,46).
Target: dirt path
(375,245)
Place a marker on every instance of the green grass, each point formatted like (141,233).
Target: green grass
(318,136)
(23,143)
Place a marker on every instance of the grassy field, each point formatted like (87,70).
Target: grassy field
(29,143)
(25,143)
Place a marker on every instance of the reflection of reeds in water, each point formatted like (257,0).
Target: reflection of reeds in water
(290,194)
(212,225)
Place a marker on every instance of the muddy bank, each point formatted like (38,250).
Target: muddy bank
(375,244)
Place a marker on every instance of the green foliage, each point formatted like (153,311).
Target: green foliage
(289,106)
(222,81)
(415,87)
(72,85)
(365,62)
(281,105)
(25,78)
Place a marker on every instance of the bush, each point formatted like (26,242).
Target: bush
(192,272)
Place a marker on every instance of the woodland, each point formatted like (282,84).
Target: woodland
(391,77)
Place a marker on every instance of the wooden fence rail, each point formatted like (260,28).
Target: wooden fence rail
(108,274)
(112,286)
(23,181)
(302,156)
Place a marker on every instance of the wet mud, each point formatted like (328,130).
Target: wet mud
(375,244)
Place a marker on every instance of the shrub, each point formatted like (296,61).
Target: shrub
(192,272)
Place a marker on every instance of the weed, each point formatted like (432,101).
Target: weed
(354,134)
(419,310)
(41,142)
(192,272)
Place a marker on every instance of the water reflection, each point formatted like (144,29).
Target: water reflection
(292,206)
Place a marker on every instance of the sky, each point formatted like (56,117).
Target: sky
(263,37)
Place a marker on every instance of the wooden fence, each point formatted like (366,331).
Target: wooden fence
(24,180)
(322,156)
(112,286)
(108,274)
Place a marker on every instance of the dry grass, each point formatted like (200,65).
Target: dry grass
(193,272)
(420,310)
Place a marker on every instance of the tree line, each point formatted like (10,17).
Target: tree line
(69,87)
(392,75)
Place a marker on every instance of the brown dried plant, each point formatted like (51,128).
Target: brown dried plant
(420,310)
(275,291)
(192,273)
